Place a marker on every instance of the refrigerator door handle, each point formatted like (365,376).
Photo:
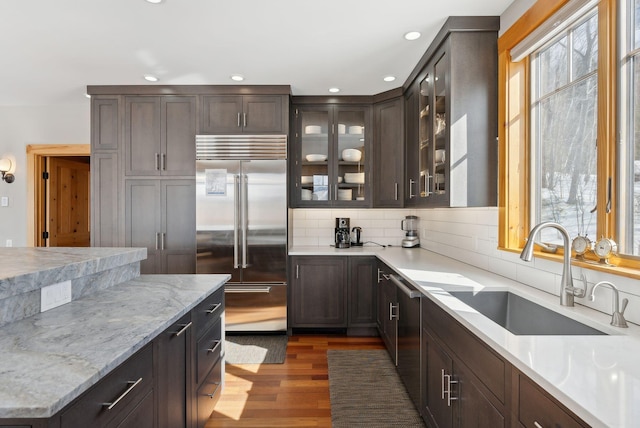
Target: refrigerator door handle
(245,203)
(236,195)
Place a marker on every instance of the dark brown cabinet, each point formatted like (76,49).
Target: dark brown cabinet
(331,156)
(333,292)
(253,114)
(387,310)
(464,382)
(534,407)
(174,357)
(160,215)
(159,137)
(388,152)
(451,146)
(319,291)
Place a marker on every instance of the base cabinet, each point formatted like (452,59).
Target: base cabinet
(159,386)
(333,292)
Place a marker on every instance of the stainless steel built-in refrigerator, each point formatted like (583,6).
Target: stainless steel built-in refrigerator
(241,222)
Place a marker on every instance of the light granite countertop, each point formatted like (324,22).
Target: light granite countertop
(23,269)
(49,359)
(597,377)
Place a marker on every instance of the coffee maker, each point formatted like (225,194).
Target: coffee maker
(343,236)
(410,225)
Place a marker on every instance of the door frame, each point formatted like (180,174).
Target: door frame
(35,186)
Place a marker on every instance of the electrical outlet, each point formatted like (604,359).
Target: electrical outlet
(9,243)
(4,201)
(55,295)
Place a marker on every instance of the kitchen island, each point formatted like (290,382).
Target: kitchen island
(595,376)
(49,359)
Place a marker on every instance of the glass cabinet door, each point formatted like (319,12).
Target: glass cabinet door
(426,137)
(350,175)
(315,136)
(440,131)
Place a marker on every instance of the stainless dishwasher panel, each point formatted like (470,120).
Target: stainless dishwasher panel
(256,307)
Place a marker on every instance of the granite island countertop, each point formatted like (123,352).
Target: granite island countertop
(49,359)
(596,377)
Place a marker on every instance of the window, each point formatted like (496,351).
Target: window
(570,136)
(629,156)
(564,85)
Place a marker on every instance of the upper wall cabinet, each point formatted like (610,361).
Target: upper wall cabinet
(250,114)
(331,156)
(159,135)
(451,157)
(388,154)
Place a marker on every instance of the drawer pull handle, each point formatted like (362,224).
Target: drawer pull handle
(216,345)
(184,328)
(215,308)
(213,394)
(132,385)
(536,424)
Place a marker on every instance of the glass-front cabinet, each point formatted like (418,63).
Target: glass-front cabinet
(433,134)
(330,166)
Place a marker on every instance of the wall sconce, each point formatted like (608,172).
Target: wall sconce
(5,167)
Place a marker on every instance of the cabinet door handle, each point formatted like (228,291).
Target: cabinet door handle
(162,237)
(411,183)
(163,163)
(215,308)
(392,315)
(213,394)
(446,379)
(396,192)
(216,345)
(244,119)
(536,424)
(157,238)
(184,328)
(442,379)
(132,384)
(297,271)
(238,119)
(379,278)
(157,161)
(427,184)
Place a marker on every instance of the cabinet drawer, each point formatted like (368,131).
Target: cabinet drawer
(209,348)
(124,388)
(208,394)
(142,415)
(483,362)
(536,407)
(207,312)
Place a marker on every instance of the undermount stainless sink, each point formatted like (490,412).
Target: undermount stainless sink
(521,316)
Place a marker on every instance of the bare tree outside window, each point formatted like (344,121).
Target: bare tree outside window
(565,118)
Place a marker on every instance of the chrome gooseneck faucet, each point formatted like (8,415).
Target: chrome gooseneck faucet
(567,290)
(617,318)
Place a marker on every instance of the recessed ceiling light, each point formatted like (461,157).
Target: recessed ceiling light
(334,90)
(154,1)
(150,78)
(237,77)
(412,35)
(87,95)
(389,78)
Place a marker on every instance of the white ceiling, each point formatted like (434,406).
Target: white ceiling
(51,50)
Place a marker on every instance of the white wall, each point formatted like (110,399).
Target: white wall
(513,12)
(20,126)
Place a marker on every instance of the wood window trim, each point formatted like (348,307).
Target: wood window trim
(514,175)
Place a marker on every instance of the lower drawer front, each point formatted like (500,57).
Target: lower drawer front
(207,312)
(142,416)
(121,390)
(208,393)
(535,409)
(209,349)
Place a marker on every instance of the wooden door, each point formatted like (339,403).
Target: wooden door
(262,114)
(221,114)
(439,364)
(412,145)
(68,212)
(142,125)
(178,135)
(362,291)
(389,154)
(142,221)
(318,292)
(178,243)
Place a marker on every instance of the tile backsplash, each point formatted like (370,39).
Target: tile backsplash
(469,235)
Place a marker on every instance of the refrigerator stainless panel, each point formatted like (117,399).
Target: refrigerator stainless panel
(256,307)
(266,246)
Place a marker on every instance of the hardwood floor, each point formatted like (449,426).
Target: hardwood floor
(293,394)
